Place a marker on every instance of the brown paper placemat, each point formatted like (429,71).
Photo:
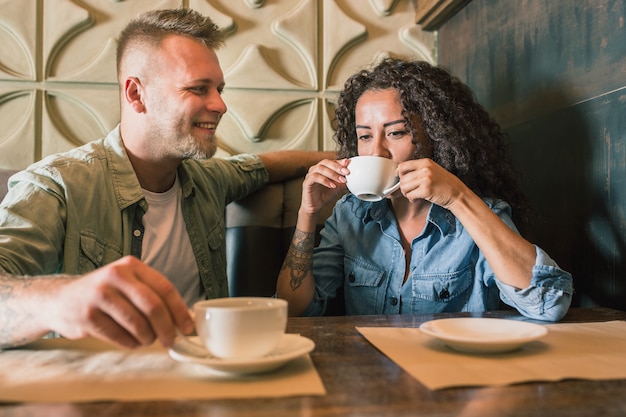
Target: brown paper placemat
(60,370)
(569,350)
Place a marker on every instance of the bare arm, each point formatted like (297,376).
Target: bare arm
(295,280)
(324,182)
(18,312)
(282,165)
(125,303)
(510,256)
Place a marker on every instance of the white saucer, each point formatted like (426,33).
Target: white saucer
(290,347)
(483,335)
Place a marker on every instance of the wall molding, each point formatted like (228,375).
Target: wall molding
(431,14)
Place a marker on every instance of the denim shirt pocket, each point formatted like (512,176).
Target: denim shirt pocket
(95,253)
(441,291)
(363,289)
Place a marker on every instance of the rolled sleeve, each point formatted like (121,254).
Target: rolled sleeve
(549,295)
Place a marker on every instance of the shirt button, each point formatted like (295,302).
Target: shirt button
(351,277)
(137,233)
(394,301)
(444,293)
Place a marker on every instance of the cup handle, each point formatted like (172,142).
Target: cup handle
(391,189)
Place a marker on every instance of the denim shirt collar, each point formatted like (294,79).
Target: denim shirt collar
(380,212)
(443,219)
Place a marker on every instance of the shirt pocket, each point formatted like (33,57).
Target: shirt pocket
(215,237)
(215,262)
(95,253)
(445,291)
(363,286)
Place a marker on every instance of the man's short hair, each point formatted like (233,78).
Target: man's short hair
(150,28)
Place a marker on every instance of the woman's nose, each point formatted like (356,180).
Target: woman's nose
(379,149)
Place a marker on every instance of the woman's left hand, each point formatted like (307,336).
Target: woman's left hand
(425,179)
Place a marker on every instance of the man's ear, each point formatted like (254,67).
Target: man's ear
(133,94)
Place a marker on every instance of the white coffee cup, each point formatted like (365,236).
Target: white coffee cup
(240,327)
(372,178)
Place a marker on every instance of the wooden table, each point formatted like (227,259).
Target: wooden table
(363,382)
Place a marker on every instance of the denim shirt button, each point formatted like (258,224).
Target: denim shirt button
(394,301)
(351,278)
(444,293)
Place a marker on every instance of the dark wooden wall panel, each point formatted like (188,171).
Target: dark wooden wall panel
(573,164)
(553,73)
(527,56)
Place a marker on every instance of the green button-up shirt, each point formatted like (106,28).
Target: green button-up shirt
(73,212)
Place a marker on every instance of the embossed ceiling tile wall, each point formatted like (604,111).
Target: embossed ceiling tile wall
(18,23)
(260,52)
(284,62)
(17,135)
(74,116)
(17,99)
(58,87)
(79,41)
(359,32)
(270,69)
(269,121)
(79,37)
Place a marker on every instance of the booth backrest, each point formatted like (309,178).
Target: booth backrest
(259,229)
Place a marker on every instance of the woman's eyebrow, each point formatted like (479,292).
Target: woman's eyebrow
(385,125)
(394,122)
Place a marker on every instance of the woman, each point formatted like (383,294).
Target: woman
(445,241)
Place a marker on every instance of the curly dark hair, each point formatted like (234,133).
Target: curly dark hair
(464,138)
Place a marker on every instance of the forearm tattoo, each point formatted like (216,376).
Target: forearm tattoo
(8,315)
(299,259)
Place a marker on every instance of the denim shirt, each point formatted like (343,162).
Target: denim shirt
(361,250)
(73,212)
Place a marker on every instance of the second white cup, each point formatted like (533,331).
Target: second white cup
(240,327)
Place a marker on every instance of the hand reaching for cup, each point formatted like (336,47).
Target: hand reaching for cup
(126,303)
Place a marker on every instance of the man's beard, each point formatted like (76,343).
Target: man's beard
(192,149)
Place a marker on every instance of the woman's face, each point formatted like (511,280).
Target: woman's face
(381,129)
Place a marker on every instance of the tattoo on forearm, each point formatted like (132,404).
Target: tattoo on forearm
(299,259)
(7,313)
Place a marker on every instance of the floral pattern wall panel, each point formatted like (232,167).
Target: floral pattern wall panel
(284,62)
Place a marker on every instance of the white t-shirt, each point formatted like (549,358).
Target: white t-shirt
(166,246)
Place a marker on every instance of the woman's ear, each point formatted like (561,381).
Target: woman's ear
(133,94)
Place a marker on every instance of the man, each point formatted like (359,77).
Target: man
(70,224)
